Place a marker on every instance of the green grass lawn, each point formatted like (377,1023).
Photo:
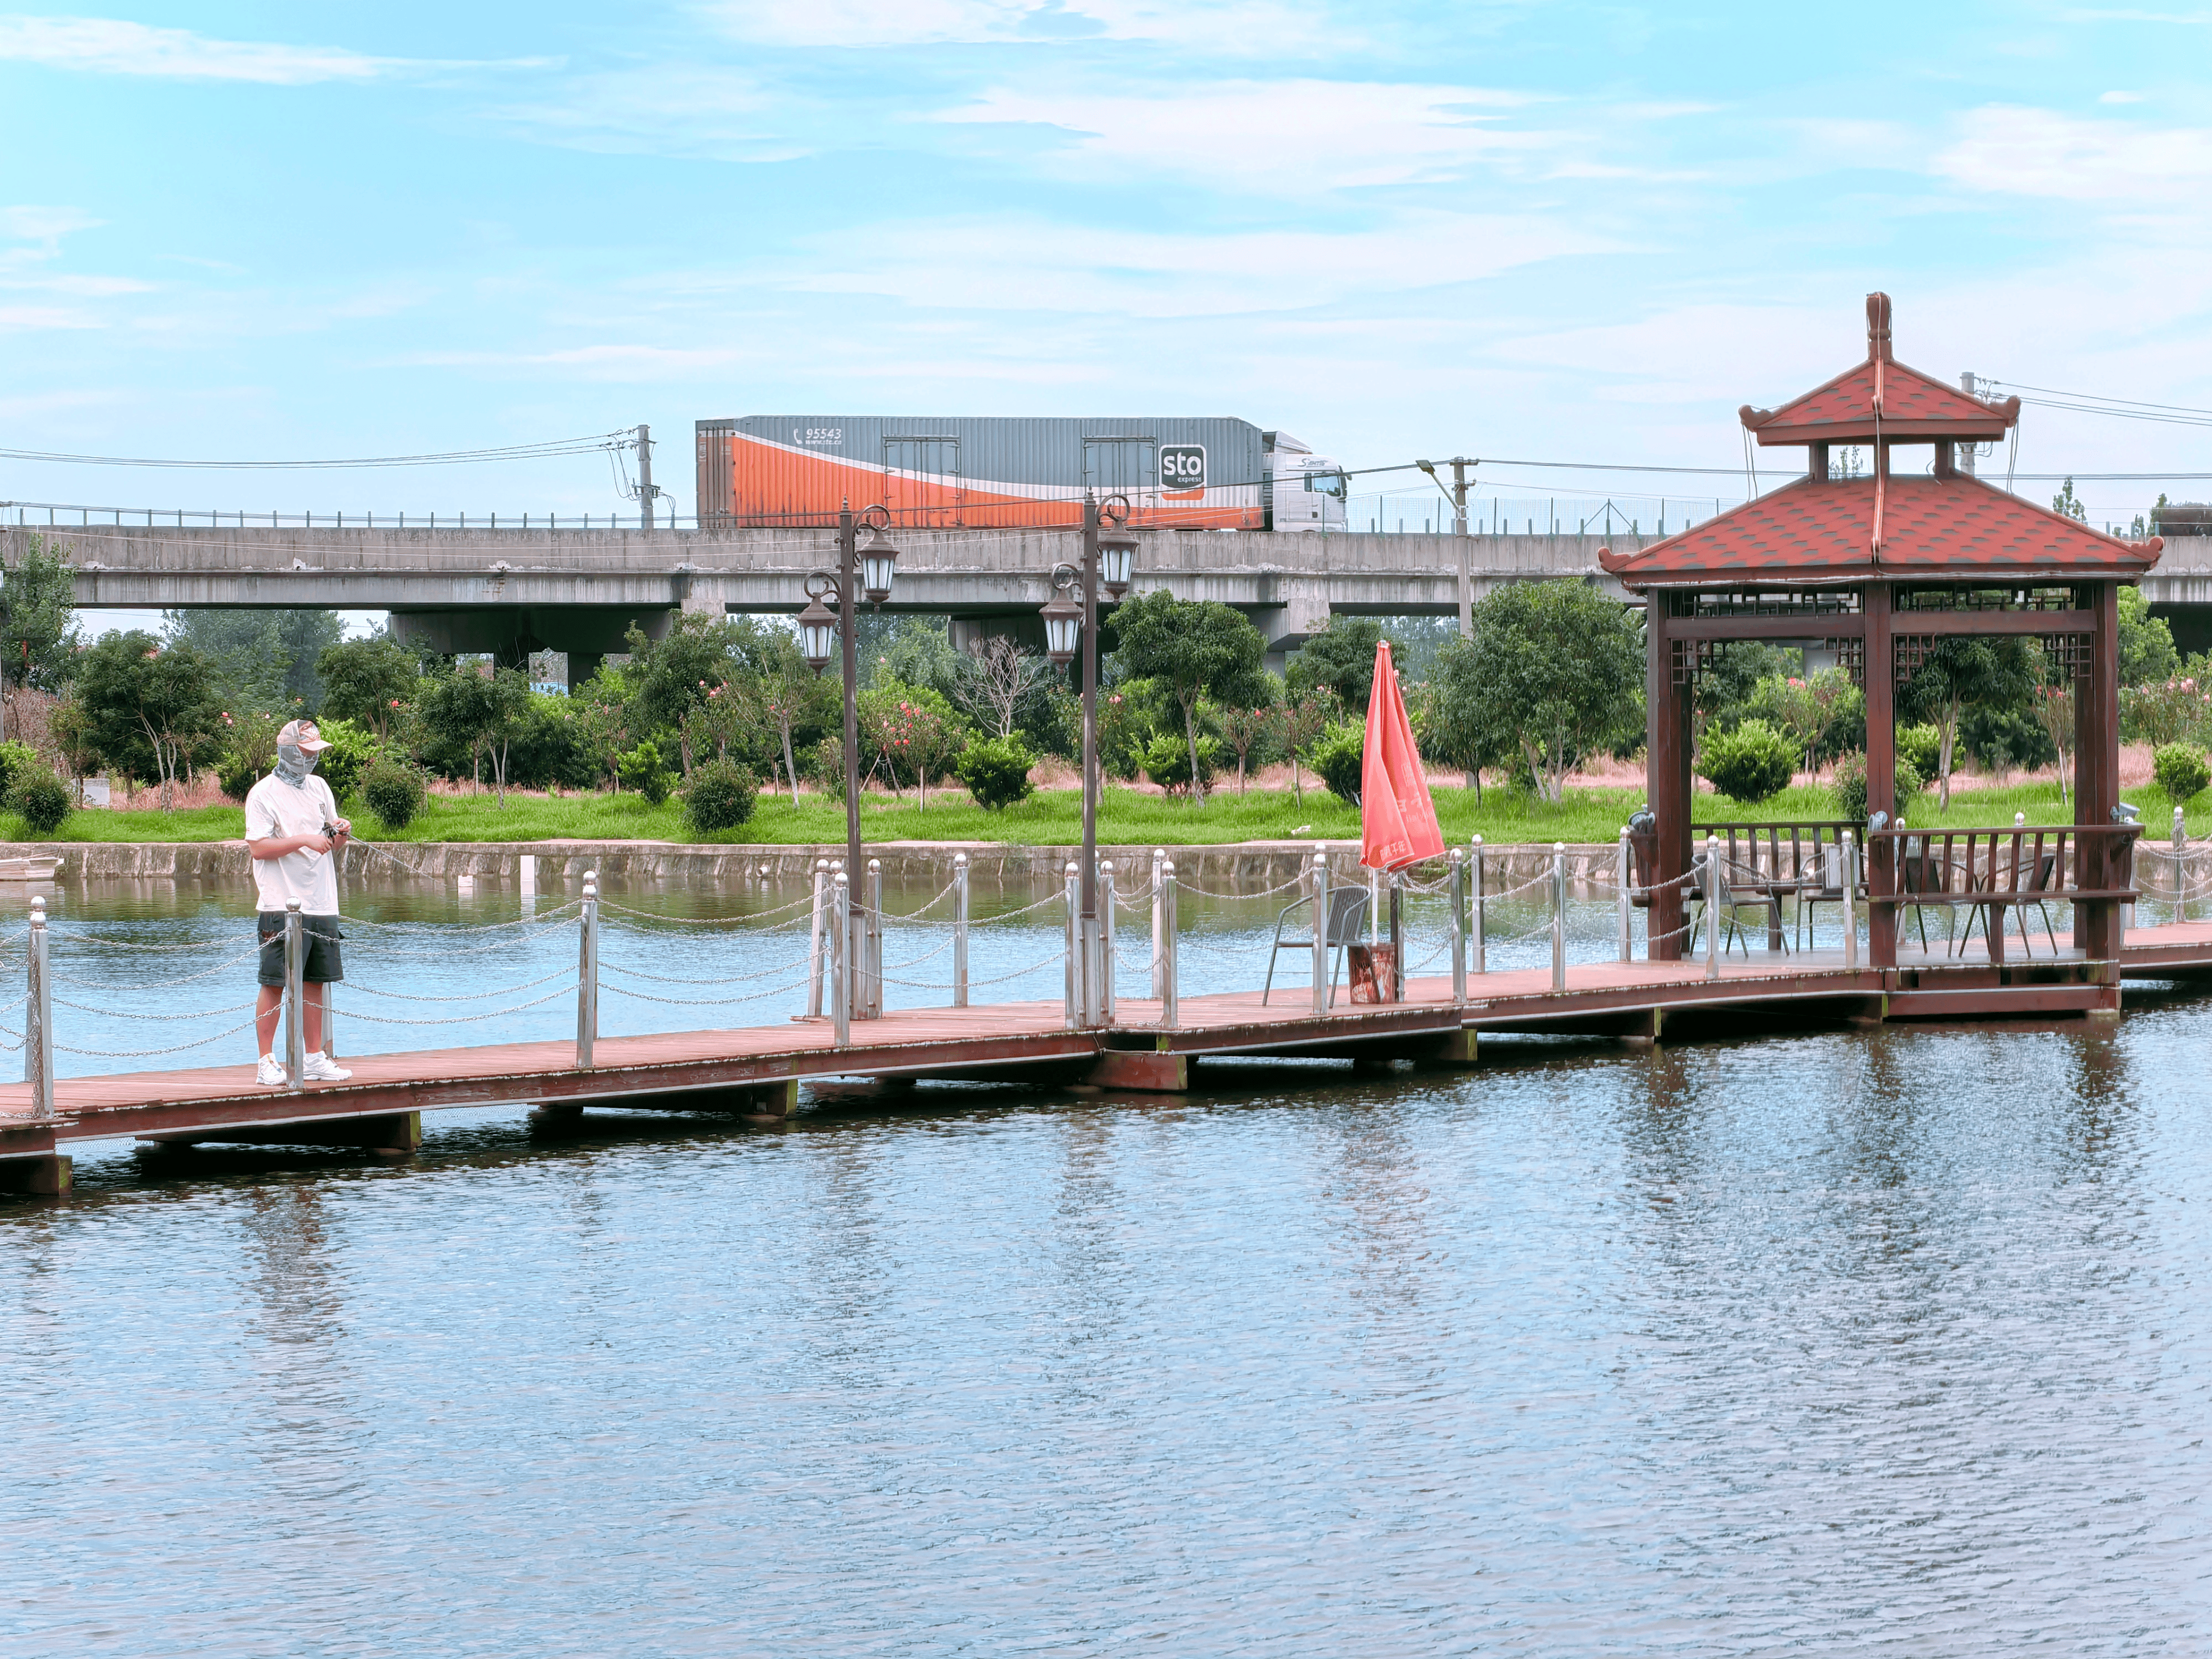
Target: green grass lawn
(1053,818)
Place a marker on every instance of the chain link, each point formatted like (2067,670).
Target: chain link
(688,979)
(149,1054)
(459,1019)
(485,928)
(125,1013)
(470,996)
(704,1002)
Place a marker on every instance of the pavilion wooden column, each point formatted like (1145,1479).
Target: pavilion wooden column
(1667,774)
(1881,685)
(2097,770)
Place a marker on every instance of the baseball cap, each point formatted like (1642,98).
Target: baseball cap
(302,732)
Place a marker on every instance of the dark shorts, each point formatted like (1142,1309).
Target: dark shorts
(321,966)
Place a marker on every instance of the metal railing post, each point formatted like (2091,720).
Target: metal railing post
(815,955)
(1159,921)
(1397,940)
(2180,866)
(1712,907)
(1072,879)
(1559,915)
(588,972)
(1479,916)
(1170,1013)
(38,1018)
(873,930)
(1459,925)
(1851,863)
(1105,942)
(296,962)
(1320,928)
(1627,948)
(960,930)
(841,941)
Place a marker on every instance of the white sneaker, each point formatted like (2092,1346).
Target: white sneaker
(319,1067)
(270,1074)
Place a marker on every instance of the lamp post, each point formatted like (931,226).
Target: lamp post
(1070,623)
(863,571)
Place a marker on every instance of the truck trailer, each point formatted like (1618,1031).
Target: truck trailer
(1184,473)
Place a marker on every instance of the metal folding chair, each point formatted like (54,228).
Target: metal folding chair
(1347,921)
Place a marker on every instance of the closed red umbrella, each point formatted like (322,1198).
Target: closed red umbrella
(1397,818)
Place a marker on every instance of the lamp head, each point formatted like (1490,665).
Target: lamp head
(1117,559)
(1063,628)
(878,560)
(817,634)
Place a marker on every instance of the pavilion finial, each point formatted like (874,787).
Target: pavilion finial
(1878,329)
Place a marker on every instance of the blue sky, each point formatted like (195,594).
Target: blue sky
(1542,231)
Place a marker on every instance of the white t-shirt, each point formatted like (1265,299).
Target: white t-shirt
(275,810)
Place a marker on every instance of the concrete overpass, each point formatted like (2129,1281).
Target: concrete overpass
(510,591)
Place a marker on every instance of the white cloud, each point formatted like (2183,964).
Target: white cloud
(704,112)
(1035,266)
(43,224)
(16,318)
(1243,27)
(108,45)
(2116,97)
(112,47)
(1286,137)
(2039,152)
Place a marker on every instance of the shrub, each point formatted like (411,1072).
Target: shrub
(1750,764)
(39,797)
(2180,770)
(1338,757)
(16,760)
(1850,790)
(997,772)
(1167,760)
(394,792)
(829,767)
(643,770)
(237,774)
(352,751)
(720,796)
(1923,746)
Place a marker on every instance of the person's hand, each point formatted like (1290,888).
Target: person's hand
(344,827)
(314,843)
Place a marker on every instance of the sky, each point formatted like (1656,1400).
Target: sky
(1542,232)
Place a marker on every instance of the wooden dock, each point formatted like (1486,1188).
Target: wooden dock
(759,1070)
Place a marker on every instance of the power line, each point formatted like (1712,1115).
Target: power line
(2100,397)
(444,458)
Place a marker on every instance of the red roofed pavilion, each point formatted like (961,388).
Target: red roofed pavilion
(1875,569)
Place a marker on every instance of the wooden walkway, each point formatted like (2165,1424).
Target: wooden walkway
(759,1069)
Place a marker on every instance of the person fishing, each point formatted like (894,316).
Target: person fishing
(292,827)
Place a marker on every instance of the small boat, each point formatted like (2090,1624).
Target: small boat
(38,867)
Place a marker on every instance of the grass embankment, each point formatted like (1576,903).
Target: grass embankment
(1053,818)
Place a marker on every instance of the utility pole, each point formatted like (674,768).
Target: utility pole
(645,490)
(1967,451)
(1457,494)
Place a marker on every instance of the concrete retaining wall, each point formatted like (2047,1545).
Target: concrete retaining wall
(1253,865)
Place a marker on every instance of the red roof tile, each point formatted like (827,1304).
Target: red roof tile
(1818,531)
(1913,405)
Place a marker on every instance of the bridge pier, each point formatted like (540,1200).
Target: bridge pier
(29,1165)
(388,1134)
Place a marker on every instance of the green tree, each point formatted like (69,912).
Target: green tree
(478,711)
(2068,505)
(152,711)
(1196,648)
(1341,659)
(368,681)
(669,677)
(38,595)
(1460,731)
(264,659)
(603,724)
(1560,669)
(2147,651)
(1961,672)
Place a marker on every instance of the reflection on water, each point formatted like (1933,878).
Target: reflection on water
(1892,1340)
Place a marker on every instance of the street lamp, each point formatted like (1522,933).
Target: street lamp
(865,572)
(1071,621)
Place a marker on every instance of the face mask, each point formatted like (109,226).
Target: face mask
(293,763)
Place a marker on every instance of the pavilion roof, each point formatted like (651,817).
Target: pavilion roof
(1881,397)
(1818,530)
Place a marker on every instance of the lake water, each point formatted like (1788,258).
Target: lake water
(1895,1341)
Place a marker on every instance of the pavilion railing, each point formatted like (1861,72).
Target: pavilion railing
(1808,854)
(2025,864)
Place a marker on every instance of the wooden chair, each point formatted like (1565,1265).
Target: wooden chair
(1347,921)
(2041,880)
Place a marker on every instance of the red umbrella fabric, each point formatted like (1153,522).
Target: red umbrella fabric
(1397,818)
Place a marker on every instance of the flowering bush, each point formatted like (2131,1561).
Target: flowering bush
(2176,710)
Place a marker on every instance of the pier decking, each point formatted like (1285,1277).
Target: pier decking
(759,1070)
